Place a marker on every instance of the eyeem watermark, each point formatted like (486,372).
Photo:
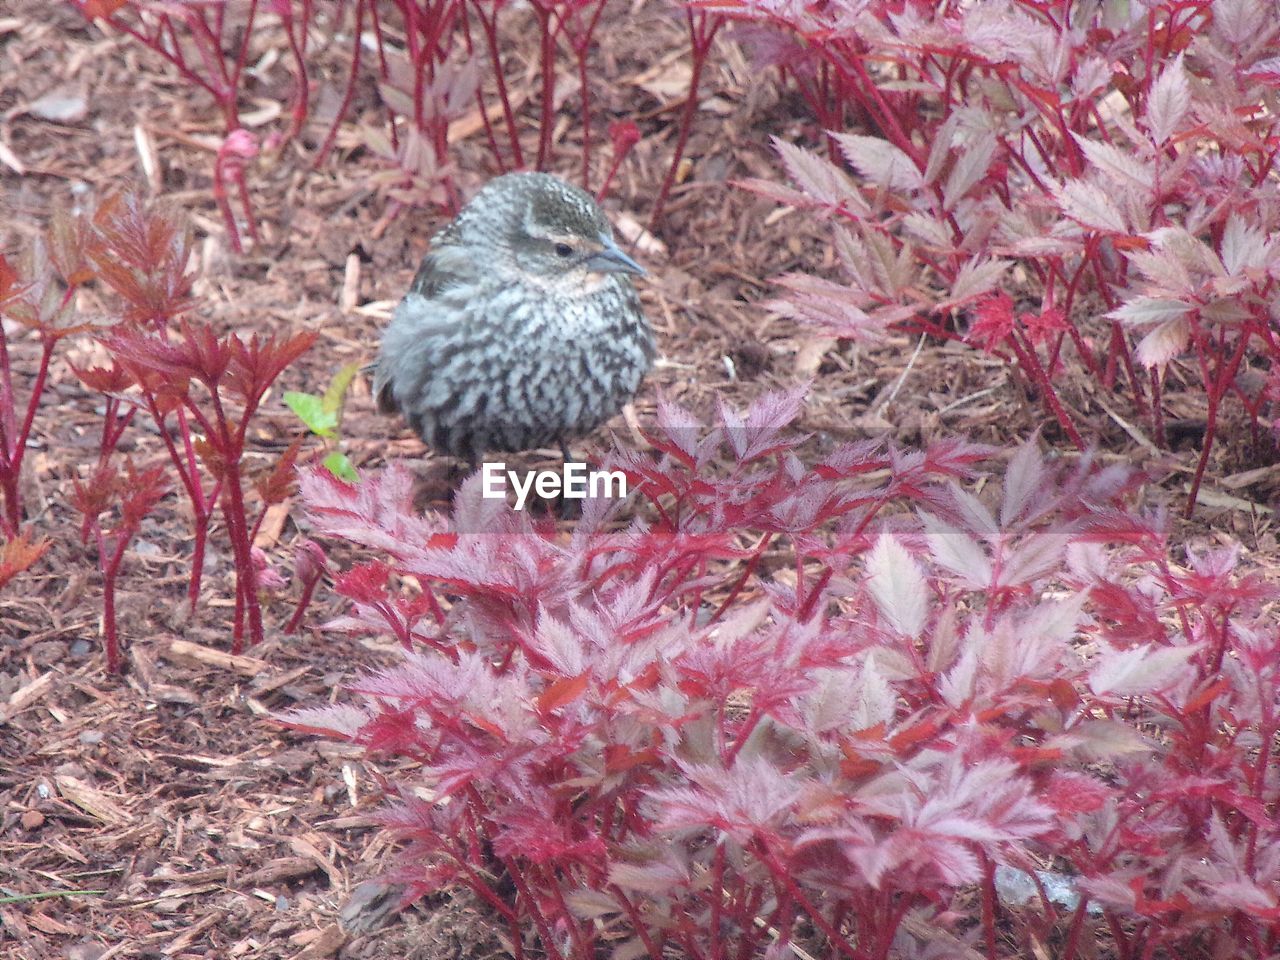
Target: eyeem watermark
(572,482)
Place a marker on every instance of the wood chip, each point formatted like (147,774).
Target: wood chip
(92,801)
(809,356)
(192,878)
(195,653)
(327,944)
(47,924)
(10,159)
(1222,501)
(1248,478)
(273,524)
(64,104)
(350,294)
(188,936)
(473,123)
(632,231)
(182,892)
(305,848)
(263,685)
(282,868)
(149,157)
(26,695)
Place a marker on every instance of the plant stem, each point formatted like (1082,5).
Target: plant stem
(700,37)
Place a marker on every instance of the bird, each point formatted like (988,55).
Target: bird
(522,328)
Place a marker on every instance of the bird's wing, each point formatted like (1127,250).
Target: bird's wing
(444,266)
(430,277)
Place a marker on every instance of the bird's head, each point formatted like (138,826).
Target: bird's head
(557,235)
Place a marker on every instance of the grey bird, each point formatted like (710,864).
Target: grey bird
(522,328)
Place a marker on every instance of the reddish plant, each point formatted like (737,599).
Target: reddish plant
(209,46)
(41,299)
(111,382)
(234,375)
(786,709)
(160,363)
(136,493)
(309,564)
(142,252)
(453,65)
(436,63)
(1122,163)
(623,135)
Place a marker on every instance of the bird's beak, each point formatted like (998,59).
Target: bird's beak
(612,260)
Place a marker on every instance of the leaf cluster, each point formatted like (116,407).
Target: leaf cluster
(201,388)
(1120,159)
(818,705)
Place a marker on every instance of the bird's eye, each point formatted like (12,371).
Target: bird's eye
(564,251)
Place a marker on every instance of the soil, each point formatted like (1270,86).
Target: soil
(192,826)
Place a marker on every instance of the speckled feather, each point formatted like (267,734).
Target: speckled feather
(504,342)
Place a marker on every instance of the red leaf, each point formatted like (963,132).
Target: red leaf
(19,554)
(253,366)
(619,758)
(562,692)
(993,321)
(279,483)
(142,252)
(8,280)
(366,583)
(109,380)
(94,9)
(141,491)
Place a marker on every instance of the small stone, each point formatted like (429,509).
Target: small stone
(61,105)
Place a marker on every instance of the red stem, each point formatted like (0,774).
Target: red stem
(716,895)
(349,93)
(782,876)
(582,47)
(189,474)
(304,601)
(233,84)
(110,571)
(1157,407)
(161,48)
(637,924)
(547,55)
(1028,360)
(989,905)
(491,138)
(531,905)
(302,95)
(37,390)
(224,205)
(7,423)
(1073,935)
(490,28)
(233,512)
(246,204)
(742,581)
(13,449)
(1217,388)
(700,37)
